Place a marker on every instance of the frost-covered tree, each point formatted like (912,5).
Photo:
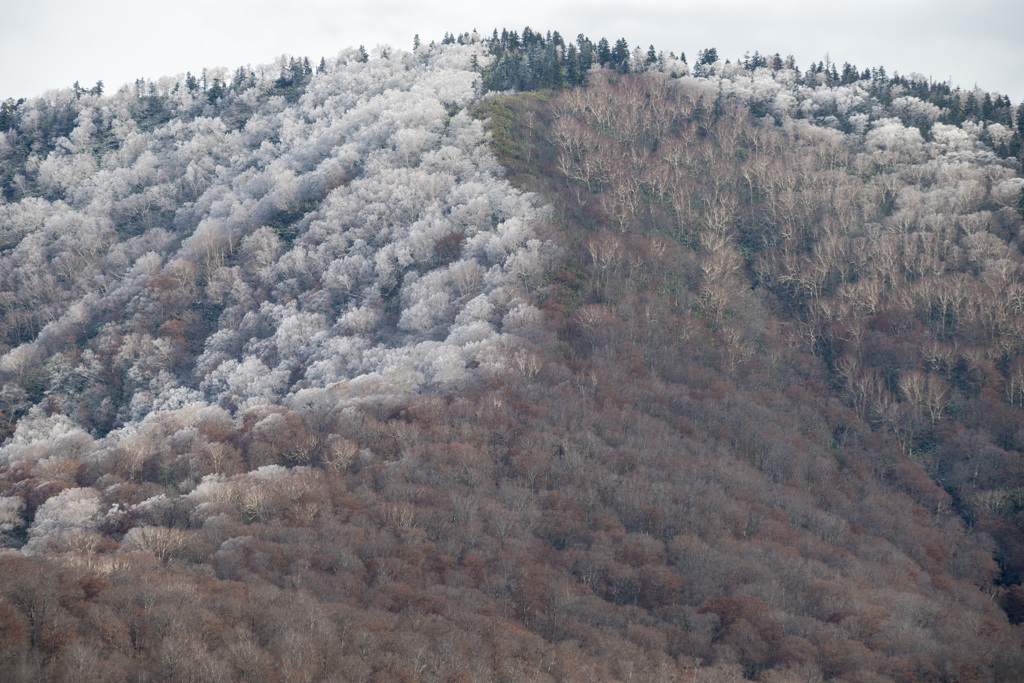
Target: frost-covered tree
(64,521)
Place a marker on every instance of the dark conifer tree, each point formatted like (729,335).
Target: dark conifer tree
(586,54)
(708,56)
(620,55)
(7,110)
(955,107)
(987,108)
(971,106)
(849,74)
(572,66)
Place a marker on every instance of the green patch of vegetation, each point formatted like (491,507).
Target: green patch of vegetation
(513,139)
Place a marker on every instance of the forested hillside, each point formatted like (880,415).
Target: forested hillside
(512,358)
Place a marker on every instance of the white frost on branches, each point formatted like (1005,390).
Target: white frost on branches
(63,518)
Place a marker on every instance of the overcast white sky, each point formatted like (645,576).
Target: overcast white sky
(48,44)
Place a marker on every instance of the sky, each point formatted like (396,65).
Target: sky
(49,44)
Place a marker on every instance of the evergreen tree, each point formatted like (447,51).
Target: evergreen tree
(586,54)
(708,56)
(572,66)
(7,110)
(849,75)
(554,75)
(755,61)
(971,106)
(620,55)
(955,107)
(987,107)
(1004,113)
(216,91)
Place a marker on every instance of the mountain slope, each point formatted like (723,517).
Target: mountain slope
(298,386)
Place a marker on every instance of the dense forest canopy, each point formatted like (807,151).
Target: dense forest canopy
(513,358)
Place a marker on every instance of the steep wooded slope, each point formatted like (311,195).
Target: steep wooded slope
(299,387)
